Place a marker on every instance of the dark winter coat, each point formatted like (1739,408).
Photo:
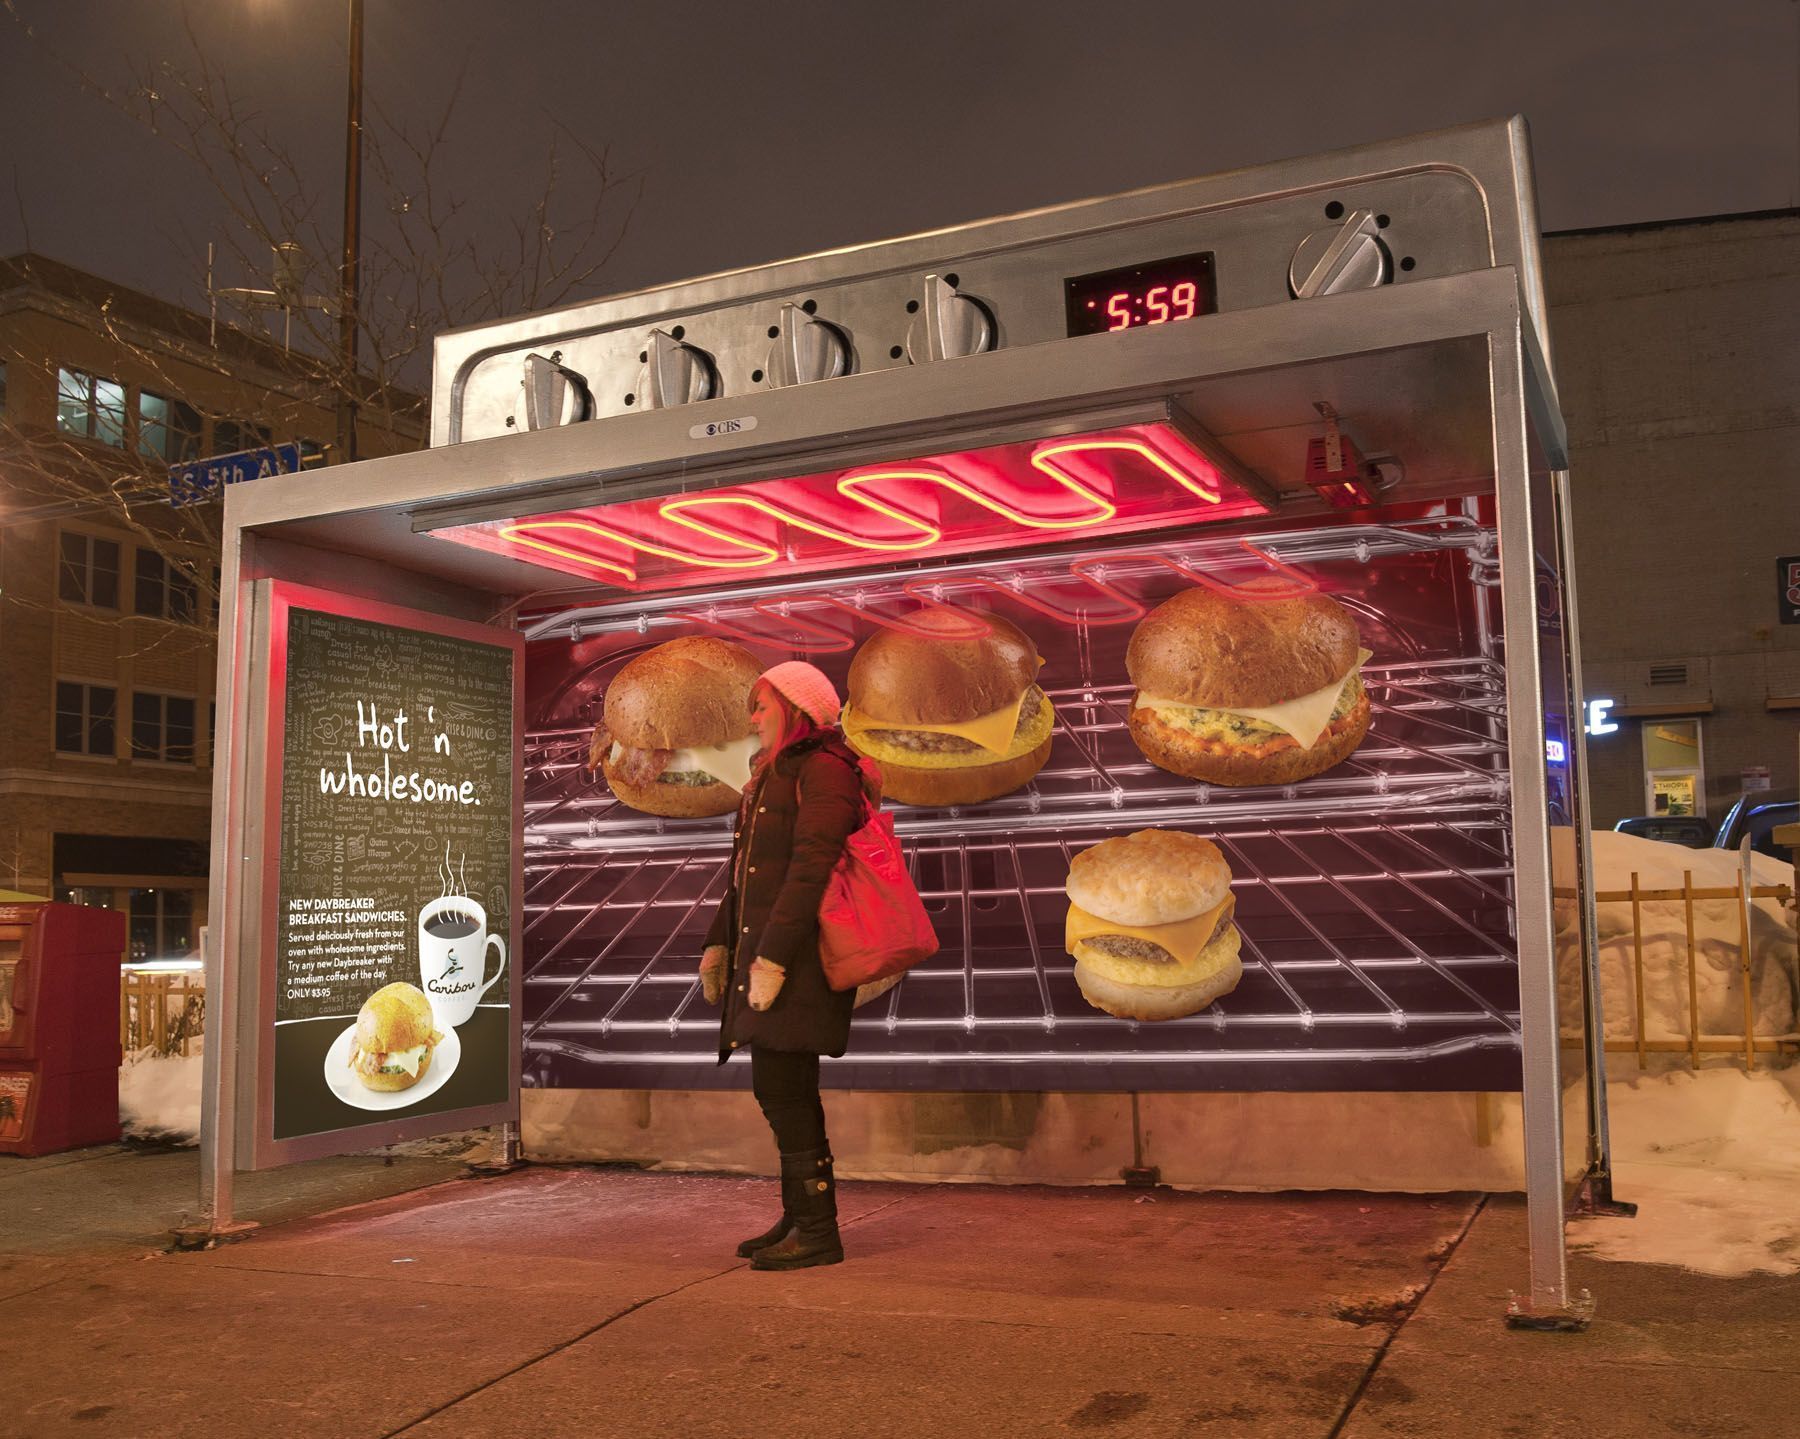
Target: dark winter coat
(791,829)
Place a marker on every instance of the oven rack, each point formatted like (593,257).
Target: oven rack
(1385,939)
(1436,738)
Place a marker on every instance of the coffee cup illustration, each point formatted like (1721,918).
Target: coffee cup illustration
(453,946)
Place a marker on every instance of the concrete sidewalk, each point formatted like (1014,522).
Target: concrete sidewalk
(581,1302)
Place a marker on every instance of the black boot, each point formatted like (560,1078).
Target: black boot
(813,1207)
(782,1225)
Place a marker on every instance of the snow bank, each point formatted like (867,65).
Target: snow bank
(159,1095)
(1716,936)
(1712,1160)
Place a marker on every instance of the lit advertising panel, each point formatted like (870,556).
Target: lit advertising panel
(1347,924)
(390,875)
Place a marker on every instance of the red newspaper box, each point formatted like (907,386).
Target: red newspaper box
(59,1030)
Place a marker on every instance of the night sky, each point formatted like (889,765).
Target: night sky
(761,130)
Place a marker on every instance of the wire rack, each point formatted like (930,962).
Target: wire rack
(1436,737)
(1378,953)
(1375,900)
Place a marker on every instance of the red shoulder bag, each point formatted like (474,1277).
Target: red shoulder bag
(872,923)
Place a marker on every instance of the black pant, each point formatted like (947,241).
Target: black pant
(787,1087)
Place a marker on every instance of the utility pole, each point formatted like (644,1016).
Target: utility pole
(353,145)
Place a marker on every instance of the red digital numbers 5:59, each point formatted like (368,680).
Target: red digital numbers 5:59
(1155,306)
(1157,292)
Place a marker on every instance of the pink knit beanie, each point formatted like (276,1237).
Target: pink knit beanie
(805,687)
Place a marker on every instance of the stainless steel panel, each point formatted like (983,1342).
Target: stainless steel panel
(1452,201)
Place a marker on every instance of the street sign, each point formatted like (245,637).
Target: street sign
(201,480)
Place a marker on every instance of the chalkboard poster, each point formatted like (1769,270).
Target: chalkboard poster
(394,906)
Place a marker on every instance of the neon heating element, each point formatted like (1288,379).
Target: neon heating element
(1117,480)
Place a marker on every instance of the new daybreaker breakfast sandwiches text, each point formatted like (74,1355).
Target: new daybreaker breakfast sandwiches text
(674,736)
(1244,691)
(950,719)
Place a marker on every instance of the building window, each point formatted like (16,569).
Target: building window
(312,453)
(90,407)
(162,924)
(89,574)
(231,436)
(85,716)
(162,727)
(162,591)
(1674,767)
(167,429)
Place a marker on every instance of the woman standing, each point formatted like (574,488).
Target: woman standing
(804,800)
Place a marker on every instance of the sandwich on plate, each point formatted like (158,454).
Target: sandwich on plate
(394,1038)
(1243,691)
(949,719)
(674,736)
(1150,925)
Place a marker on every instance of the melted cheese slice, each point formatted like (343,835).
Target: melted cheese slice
(993,732)
(406,1059)
(729,763)
(1184,939)
(1304,718)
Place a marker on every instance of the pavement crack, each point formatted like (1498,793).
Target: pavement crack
(1413,1298)
(558,1348)
(610,1319)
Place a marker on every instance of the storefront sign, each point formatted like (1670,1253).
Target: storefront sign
(1787,572)
(395,885)
(1599,717)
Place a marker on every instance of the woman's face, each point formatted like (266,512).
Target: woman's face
(765,718)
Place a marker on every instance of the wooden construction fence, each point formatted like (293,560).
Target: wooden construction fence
(159,1010)
(1696,1043)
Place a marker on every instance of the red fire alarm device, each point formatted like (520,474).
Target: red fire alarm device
(59,1032)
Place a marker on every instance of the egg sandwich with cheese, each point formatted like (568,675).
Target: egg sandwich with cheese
(950,718)
(1243,691)
(675,736)
(394,1038)
(1150,925)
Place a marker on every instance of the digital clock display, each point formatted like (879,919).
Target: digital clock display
(1157,292)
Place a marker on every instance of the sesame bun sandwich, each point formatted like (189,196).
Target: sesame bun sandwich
(394,1038)
(674,736)
(1244,691)
(950,719)
(1150,925)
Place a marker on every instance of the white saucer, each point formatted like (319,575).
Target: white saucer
(342,1080)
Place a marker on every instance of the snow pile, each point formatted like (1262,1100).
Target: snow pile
(1716,940)
(159,1095)
(1712,1160)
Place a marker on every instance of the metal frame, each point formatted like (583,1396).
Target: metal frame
(1480,328)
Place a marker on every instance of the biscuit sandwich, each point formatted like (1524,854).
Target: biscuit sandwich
(1150,925)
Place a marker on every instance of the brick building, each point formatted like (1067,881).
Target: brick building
(1679,367)
(108,593)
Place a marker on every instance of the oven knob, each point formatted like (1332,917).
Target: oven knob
(948,325)
(675,373)
(553,395)
(1349,256)
(807,349)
